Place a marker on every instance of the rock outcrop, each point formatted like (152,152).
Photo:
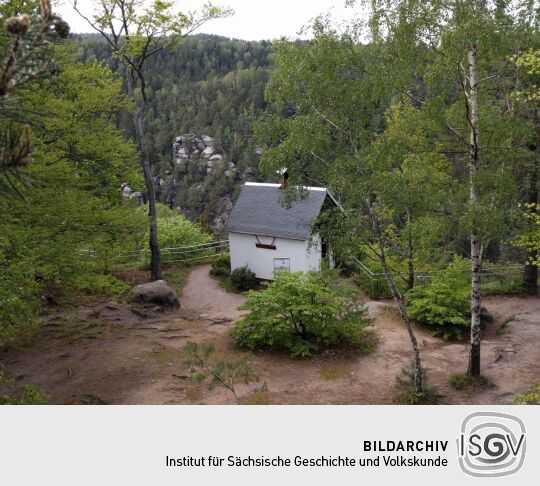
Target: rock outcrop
(128,193)
(192,146)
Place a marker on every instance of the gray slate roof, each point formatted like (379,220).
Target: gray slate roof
(259,211)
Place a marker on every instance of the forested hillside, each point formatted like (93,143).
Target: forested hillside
(206,85)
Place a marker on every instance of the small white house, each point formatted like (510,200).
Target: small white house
(267,235)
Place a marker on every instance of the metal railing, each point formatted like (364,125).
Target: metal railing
(506,278)
(168,255)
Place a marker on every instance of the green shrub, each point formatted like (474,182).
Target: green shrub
(19,302)
(221,266)
(302,314)
(174,231)
(28,395)
(101,285)
(528,398)
(444,304)
(406,393)
(242,279)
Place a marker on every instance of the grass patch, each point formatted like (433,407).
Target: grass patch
(332,372)
(511,286)
(465,382)
(177,275)
(256,399)
(27,395)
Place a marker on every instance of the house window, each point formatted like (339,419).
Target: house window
(282,264)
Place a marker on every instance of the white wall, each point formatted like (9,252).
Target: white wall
(261,261)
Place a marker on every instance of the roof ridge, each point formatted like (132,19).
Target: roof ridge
(270,184)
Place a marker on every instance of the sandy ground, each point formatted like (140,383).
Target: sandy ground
(112,353)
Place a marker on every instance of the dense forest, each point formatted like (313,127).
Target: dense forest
(206,85)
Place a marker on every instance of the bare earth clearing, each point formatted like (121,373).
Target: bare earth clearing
(110,353)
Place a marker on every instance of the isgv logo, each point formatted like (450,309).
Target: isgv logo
(491,444)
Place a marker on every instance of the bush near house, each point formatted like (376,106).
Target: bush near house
(302,314)
(242,279)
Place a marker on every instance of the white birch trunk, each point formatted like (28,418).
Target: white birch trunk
(476,243)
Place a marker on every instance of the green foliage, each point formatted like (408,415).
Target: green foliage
(529,62)
(28,32)
(95,285)
(465,382)
(227,374)
(302,314)
(18,299)
(221,266)
(443,304)
(406,393)
(370,277)
(73,206)
(175,231)
(28,395)
(242,279)
(177,275)
(528,398)
(530,239)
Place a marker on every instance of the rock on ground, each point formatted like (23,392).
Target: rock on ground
(157,292)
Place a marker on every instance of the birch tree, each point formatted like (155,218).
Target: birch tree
(136,30)
(461,49)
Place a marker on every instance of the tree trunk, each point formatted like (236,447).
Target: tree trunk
(155,261)
(398,299)
(410,253)
(476,243)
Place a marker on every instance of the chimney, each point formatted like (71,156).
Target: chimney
(284,180)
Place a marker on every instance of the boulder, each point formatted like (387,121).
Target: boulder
(208,152)
(207,140)
(216,157)
(157,292)
(182,153)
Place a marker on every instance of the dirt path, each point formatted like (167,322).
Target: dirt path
(112,353)
(204,296)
